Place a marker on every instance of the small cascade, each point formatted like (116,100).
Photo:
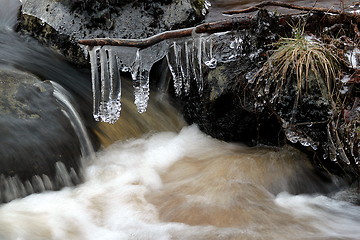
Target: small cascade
(186,58)
(13,187)
(64,99)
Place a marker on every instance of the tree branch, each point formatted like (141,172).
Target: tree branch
(284,5)
(225,25)
(140,43)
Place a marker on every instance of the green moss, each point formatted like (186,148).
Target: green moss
(199,3)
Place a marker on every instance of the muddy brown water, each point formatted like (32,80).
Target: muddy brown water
(156,178)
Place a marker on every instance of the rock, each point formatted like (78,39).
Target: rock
(226,109)
(38,142)
(236,106)
(61,24)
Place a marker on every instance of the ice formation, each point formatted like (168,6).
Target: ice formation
(186,58)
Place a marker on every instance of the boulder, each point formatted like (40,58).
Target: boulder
(39,148)
(238,105)
(227,109)
(60,24)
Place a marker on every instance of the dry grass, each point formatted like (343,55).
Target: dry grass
(304,59)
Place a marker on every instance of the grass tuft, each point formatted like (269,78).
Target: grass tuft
(303,58)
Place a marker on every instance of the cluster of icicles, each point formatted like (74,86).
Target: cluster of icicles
(186,58)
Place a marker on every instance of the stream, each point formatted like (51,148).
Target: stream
(157,178)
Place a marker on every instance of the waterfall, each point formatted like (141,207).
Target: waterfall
(66,101)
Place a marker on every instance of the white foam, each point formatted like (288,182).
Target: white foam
(118,198)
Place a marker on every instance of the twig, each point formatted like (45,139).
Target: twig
(225,25)
(309,123)
(140,43)
(340,145)
(284,5)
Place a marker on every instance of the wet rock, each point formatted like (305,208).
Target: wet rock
(38,143)
(61,24)
(227,109)
(237,106)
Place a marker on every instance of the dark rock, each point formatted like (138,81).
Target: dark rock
(227,108)
(235,106)
(37,140)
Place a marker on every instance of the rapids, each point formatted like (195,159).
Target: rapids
(156,178)
(185,185)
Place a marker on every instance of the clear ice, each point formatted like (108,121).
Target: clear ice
(186,59)
(106,84)
(140,71)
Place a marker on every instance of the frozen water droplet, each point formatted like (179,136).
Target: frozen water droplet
(197,59)
(250,76)
(188,67)
(212,63)
(267,88)
(174,59)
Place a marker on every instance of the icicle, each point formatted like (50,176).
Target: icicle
(188,67)
(197,60)
(174,62)
(185,59)
(113,104)
(93,52)
(105,83)
(140,71)
(181,62)
(109,104)
(140,83)
(208,56)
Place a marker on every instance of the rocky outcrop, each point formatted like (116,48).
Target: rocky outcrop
(60,24)
(238,106)
(226,109)
(38,145)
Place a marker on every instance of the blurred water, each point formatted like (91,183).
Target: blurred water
(185,186)
(8,14)
(164,180)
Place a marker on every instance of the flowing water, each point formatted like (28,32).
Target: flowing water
(185,186)
(156,178)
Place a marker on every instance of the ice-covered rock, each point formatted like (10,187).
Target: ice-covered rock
(61,24)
